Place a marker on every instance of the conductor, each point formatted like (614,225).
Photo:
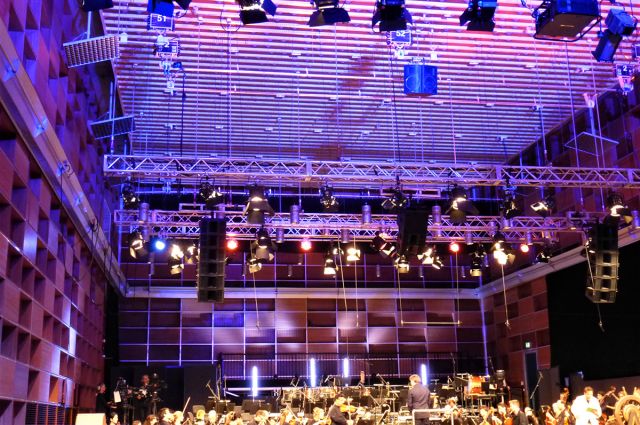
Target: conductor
(418,399)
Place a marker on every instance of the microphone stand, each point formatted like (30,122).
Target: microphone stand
(533,393)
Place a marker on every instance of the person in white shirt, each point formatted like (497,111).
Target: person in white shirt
(586,408)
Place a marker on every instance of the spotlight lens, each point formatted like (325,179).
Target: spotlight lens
(159,245)
(232,244)
(454,247)
(305,245)
(524,248)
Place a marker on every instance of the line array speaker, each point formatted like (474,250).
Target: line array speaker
(211,264)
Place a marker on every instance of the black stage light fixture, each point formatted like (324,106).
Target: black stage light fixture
(93,5)
(130,200)
(402,264)
(257,206)
(544,207)
(617,208)
(166,7)
(544,255)
(565,20)
(254,265)
(328,12)
(396,200)
(478,16)
(477,261)
(137,245)
(176,259)
(430,257)
(508,207)
(191,254)
(391,15)
(210,195)
(255,11)
(263,239)
(328,200)
(330,267)
(460,206)
(619,24)
(380,244)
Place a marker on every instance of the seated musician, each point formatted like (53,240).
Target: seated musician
(166,416)
(260,418)
(531,418)
(518,416)
(212,417)
(318,416)
(337,412)
(486,413)
(452,412)
(501,414)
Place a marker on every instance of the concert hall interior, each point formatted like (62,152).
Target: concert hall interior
(357,212)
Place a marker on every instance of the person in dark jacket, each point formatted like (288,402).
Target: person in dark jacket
(102,404)
(335,412)
(518,416)
(418,399)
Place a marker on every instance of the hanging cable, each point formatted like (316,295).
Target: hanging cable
(504,294)
(573,116)
(344,293)
(394,122)
(453,125)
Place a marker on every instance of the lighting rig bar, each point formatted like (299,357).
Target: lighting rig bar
(361,173)
(316,226)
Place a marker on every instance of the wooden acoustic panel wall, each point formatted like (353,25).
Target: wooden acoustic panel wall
(162,331)
(528,315)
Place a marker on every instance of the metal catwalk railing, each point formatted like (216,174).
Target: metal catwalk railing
(360,173)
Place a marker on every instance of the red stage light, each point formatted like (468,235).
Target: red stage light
(454,247)
(232,244)
(524,248)
(305,245)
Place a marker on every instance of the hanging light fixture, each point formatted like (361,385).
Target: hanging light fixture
(254,265)
(544,207)
(508,206)
(328,12)
(460,205)
(379,243)
(257,206)
(330,267)
(328,200)
(544,255)
(137,245)
(617,208)
(255,11)
(176,259)
(191,254)
(391,15)
(353,253)
(402,264)
(477,261)
(430,257)
(210,195)
(130,200)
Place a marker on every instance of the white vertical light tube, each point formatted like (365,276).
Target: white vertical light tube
(313,376)
(254,381)
(423,374)
(345,367)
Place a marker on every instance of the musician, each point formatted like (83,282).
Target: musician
(151,420)
(212,417)
(418,399)
(586,408)
(518,417)
(260,418)
(102,404)
(531,418)
(561,413)
(142,399)
(166,416)
(318,416)
(113,419)
(609,401)
(501,414)
(336,413)
(452,412)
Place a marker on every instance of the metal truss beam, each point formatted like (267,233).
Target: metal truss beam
(185,225)
(362,174)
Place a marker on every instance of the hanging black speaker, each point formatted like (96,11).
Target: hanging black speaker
(211,265)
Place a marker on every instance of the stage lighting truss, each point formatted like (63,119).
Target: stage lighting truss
(358,174)
(328,227)
(92,50)
(107,127)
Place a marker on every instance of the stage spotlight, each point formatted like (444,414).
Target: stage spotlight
(254,265)
(402,264)
(330,267)
(137,246)
(262,238)
(191,254)
(503,255)
(353,253)
(210,195)
(524,248)
(328,12)
(158,244)
(479,15)
(232,244)
(396,200)
(617,208)
(391,15)
(328,201)
(508,206)
(619,24)
(255,11)
(460,206)
(305,245)
(165,7)
(175,260)
(387,249)
(544,255)
(544,207)
(430,257)
(454,247)
(477,261)
(130,200)
(257,206)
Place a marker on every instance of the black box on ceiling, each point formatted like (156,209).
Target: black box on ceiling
(566,18)
(420,80)
(93,5)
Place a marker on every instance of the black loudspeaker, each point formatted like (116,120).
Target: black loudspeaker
(420,80)
(93,5)
(211,265)
(566,18)
(412,230)
(602,284)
